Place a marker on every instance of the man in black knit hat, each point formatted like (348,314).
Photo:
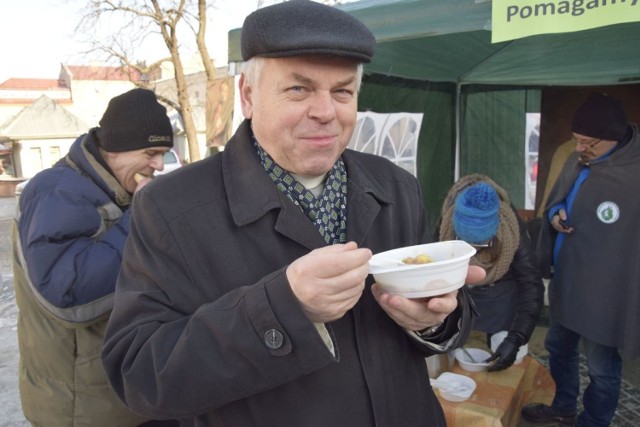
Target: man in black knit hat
(589,247)
(69,236)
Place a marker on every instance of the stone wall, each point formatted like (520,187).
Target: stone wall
(8,186)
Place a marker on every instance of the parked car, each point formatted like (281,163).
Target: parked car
(171,162)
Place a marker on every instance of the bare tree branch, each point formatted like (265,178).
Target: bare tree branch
(116,30)
(209,67)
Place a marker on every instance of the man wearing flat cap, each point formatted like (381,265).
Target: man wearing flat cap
(245,298)
(69,235)
(589,247)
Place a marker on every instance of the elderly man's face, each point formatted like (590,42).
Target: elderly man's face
(303,110)
(591,148)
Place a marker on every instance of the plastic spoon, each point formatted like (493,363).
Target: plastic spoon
(471,358)
(450,387)
(384,262)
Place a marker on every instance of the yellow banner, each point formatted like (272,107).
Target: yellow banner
(514,19)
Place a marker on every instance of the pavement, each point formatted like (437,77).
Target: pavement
(11,413)
(628,411)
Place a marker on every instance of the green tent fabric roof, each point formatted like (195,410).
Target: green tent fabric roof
(450,41)
(436,57)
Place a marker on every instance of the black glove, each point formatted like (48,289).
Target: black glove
(506,352)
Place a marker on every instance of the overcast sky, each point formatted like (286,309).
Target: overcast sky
(35,35)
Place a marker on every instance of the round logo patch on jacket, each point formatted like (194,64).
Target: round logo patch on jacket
(608,212)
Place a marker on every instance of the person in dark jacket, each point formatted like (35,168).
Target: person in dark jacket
(71,224)
(510,298)
(244,297)
(588,246)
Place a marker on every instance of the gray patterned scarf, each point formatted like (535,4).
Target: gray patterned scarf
(329,211)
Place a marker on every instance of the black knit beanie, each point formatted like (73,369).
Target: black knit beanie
(600,116)
(133,121)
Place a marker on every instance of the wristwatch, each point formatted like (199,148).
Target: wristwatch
(429,330)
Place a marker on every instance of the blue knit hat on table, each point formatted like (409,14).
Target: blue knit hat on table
(475,214)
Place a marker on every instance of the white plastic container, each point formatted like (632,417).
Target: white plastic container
(454,387)
(498,337)
(439,363)
(447,271)
(477,354)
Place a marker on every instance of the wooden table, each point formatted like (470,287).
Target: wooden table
(500,396)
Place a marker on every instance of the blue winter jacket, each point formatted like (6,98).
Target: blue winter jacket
(73,223)
(69,234)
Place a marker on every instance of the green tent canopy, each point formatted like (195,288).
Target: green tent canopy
(436,57)
(450,40)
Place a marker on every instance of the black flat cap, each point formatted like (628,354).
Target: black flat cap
(304,27)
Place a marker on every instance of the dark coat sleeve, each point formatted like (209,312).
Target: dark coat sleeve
(524,270)
(460,321)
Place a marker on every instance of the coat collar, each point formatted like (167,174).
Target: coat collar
(252,195)
(83,156)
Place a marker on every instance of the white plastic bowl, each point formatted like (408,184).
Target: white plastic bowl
(498,337)
(477,354)
(446,273)
(454,387)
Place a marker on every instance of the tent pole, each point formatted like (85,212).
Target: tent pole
(456,170)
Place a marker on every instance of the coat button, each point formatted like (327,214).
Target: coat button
(273,339)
